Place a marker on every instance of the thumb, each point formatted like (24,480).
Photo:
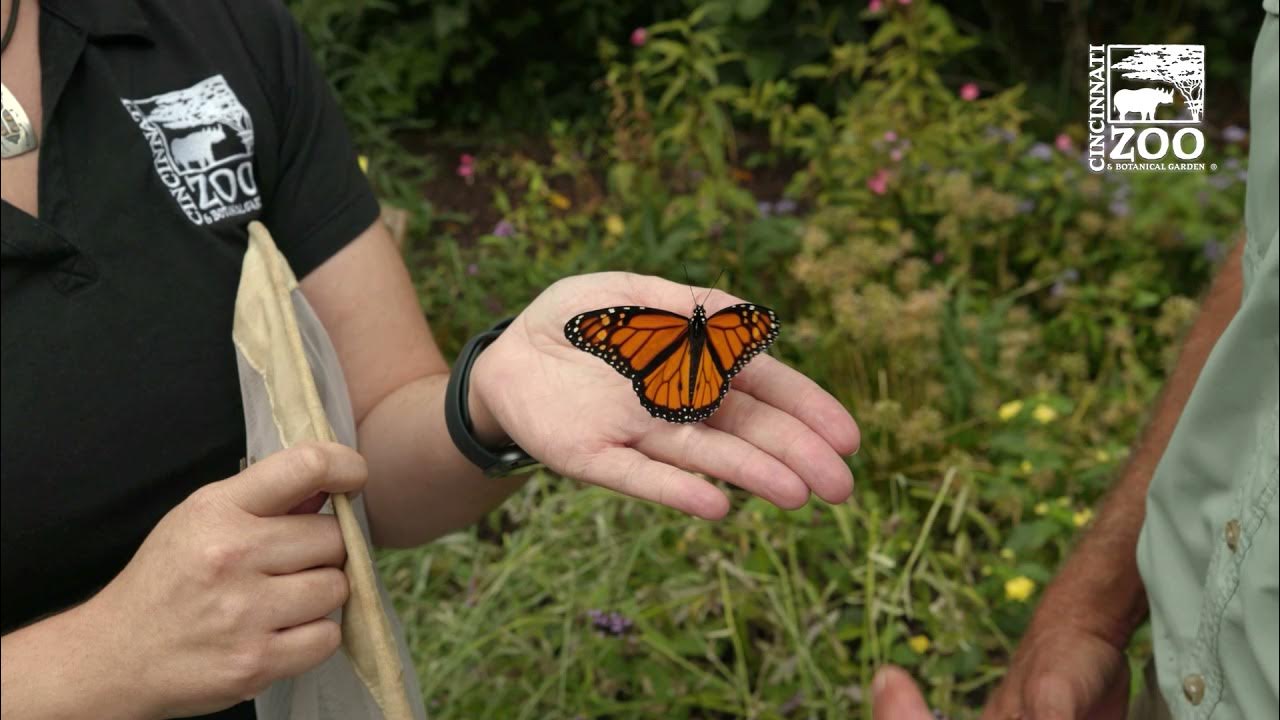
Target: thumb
(894,696)
(283,480)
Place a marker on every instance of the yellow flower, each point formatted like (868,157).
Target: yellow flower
(1019,588)
(986,570)
(1026,467)
(364,163)
(1006,553)
(919,643)
(614,225)
(1010,410)
(1082,517)
(1044,414)
(560,202)
(1042,508)
(1064,501)
(1101,456)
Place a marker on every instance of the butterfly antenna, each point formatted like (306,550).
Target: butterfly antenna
(689,282)
(713,286)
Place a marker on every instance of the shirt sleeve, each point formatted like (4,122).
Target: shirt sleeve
(316,198)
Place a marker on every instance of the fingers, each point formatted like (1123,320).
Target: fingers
(896,697)
(282,481)
(298,649)
(645,289)
(726,457)
(771,381)
(305,596)
(290,543)
(629,472)
(783,436)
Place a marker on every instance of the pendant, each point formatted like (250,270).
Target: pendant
(18,136)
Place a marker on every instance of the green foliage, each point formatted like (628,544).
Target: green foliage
(997,318)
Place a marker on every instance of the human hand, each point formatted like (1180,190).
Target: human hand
(777,434)
(1058,673)
(229,592)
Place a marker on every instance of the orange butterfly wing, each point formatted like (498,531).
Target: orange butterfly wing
(680,369)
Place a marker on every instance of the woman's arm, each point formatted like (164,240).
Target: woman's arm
(420,487)
(777,435)
(61,667)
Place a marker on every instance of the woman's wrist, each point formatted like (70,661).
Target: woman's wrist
(484,424)
(72,665)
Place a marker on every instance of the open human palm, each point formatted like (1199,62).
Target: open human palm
(777,434)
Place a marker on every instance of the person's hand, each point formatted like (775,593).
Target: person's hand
(1058,673)
(777,434)
(1062,672)
(229,592)
(894,696)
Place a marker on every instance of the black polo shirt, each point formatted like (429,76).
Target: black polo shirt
(169,125)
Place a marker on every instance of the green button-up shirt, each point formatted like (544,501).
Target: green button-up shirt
(1210,548)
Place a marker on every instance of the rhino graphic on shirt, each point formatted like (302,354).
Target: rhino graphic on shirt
(201,139)
(196,150)
(1143,101)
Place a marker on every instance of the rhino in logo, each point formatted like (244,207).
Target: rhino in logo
(196,150)
(1143,101)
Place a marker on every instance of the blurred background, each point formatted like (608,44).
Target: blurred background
(903,182)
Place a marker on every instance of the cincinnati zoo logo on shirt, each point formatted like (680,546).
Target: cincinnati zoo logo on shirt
(202,139)
(1145,103)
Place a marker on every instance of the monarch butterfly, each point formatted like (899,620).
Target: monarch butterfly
(679,366)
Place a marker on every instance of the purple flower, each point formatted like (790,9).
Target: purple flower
(473,269)
(504,228)
(1040,151)
(1069,275)
(1234,134)
(1212,250)
(765,207)
(1119,208)
(1058,289)
(609,623)
(1026,206)
(785,206)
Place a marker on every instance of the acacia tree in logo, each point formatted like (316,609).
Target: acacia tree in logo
(1181,66)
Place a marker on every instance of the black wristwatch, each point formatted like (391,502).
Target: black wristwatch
(457,418)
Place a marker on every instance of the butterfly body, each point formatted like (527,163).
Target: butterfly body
(679,366)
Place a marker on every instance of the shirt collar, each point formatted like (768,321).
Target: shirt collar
(102,19)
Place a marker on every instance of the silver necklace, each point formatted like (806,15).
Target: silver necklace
(17,136)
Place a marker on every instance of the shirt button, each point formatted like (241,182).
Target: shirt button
(1193,688)
(1232,533)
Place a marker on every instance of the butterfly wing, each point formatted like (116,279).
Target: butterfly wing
(658,351)
(630,338)
(738,333)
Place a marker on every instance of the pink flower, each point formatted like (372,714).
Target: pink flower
(890,136)
(875,6)
(466,159)
(896,155)
(1063,142)
(939,258)
(904,2)
(639,37)
(466,171)
(879,183)
(969,92)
